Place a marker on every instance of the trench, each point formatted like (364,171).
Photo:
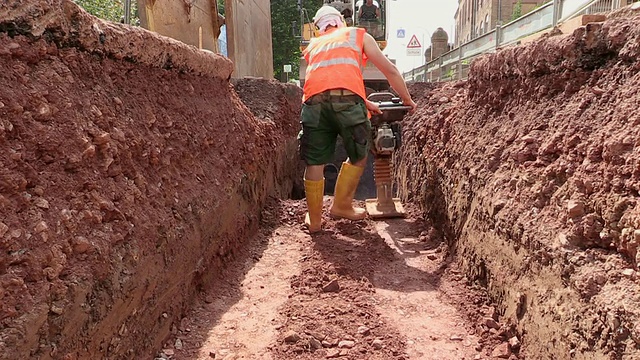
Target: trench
(143,220)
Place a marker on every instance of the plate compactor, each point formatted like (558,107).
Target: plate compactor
(386,140)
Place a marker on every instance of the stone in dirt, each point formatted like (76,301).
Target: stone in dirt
(168,352)
(330,342)
(377,344)
(291,337)
(501,351)
(575,208)
(333,353)
(363,330)
(490,323)
(332,286)
(514,343)
(315,343)
(628,273)
(346,344)
(316,335)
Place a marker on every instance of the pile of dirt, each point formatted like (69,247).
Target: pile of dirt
(531,168)
(130,172)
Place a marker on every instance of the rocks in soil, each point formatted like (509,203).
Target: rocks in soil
(330,342)
(178,344)
(346,344)
(291,337)
(377,344)
(332,286)
(501,351)
(167,352)
(629,273)
(363,330)
(575,208)
(490,323)
(316,335)
(514,344)
(315,343)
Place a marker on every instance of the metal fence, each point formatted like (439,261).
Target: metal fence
(452,64)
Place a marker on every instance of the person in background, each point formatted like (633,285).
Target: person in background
(347,14)
(369,17)
(334,103)
(369,11)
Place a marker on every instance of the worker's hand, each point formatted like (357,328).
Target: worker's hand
(411,103)
(373,107)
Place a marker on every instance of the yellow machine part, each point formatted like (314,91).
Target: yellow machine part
(309,31)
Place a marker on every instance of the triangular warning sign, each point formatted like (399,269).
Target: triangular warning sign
(414,43)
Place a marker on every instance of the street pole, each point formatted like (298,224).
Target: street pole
(424,56)
(301,9)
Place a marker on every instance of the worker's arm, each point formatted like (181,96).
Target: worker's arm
(373,107)
(389,70)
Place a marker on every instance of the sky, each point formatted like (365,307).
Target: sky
(419,17)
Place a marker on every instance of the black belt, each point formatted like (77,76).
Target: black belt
(334,95)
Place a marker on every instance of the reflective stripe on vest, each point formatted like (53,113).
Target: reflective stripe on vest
(332,44)
(331,62)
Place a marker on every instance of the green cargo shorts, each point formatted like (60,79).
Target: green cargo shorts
(323,121)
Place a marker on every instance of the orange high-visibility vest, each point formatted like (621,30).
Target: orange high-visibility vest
(335,61)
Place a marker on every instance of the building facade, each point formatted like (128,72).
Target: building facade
(475,18)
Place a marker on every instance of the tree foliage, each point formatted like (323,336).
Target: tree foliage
(517,10)
(112,10)
(286,43)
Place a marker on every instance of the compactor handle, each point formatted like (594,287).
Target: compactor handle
(391,106)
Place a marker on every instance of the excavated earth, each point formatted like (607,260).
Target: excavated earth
(532,169)
(130,171)
(144,206)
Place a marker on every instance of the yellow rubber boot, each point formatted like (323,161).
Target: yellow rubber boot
(346,185)
(314,190)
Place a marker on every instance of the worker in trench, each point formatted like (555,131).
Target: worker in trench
(334,103)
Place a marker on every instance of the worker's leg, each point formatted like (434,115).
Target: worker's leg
(355,130)
(317,145)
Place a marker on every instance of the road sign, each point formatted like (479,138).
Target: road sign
(400,34)
(287,68)
(414,43)
(414,51)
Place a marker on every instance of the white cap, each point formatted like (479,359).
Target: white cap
(324,11)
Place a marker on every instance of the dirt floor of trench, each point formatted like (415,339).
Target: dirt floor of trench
(383,289)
